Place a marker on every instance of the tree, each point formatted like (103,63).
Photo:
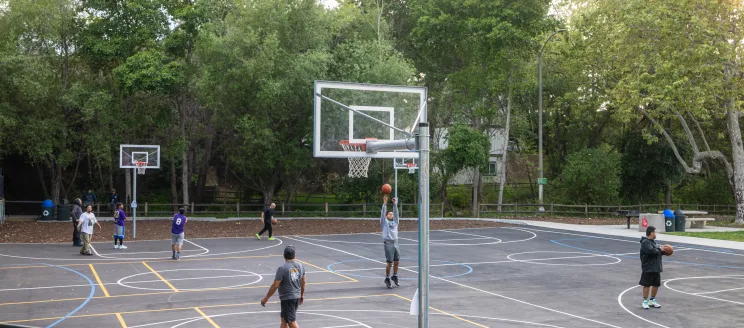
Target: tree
(467,148)
(674,61)
(591,176)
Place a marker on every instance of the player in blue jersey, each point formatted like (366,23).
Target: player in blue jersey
(179,221)
(119,220)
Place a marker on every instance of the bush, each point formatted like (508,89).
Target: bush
(591,176)
(714,189)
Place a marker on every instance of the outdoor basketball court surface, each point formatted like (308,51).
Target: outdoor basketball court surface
(491,277)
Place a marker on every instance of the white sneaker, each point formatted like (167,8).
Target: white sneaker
(116,246)
(654,303)
(122,247)
(645,304)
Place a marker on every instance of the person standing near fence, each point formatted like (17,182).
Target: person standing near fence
(77,211)
(85,225)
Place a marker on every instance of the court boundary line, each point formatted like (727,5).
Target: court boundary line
(121,320)
(329,271)
(206,317)
(446,313)
(98,279)
(161,277)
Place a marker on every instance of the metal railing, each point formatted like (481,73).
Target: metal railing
(146,209)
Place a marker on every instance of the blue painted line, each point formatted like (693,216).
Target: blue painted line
(636,257)
(92,292)
(330,268)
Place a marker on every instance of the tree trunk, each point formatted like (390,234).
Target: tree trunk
(184,157)
(476,189)
(204,169)
(668,194)
(174,182)
(56,182)
(128,182)
(504,157)
(737,155)
(44,189)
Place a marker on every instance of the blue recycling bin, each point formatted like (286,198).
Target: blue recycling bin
(669,221)
(47,210)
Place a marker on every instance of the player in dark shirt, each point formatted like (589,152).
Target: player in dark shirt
(268,219)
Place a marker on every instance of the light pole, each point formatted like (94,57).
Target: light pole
(541,179)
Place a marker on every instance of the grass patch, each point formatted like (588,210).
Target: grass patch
(725,235)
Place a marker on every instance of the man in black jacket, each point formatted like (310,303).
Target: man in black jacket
(76,212)
(651,267)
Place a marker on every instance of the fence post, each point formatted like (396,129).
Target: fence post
(282,208)
(515,209)
(237,207)
(192,208)
(326,208)
(145,208)
(551,209)
(98,208)
(364,209)
(714,209)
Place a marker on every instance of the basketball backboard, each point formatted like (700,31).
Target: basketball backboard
(129,155)
(357,113)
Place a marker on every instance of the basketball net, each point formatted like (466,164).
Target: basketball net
(141,167)
(358,166)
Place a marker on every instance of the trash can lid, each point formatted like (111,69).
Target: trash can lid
(47,203)
(668,213)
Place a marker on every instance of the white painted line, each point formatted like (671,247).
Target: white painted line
(666,284)
(466,286)
(620,301)
(718,291)
(156,252)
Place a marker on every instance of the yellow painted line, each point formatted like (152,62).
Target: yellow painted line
(95,274)
(121,320)
(161,277)
(446,313)
(326,270)
(206,317)
(161,293)
(188,308)
(151,261)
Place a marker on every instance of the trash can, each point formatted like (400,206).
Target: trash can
(669,220)
(680,220)
(63,213)
(47,210)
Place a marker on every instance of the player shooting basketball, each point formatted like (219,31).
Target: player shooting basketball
(389,222)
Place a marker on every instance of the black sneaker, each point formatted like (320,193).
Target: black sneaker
(387,282)
(395,280)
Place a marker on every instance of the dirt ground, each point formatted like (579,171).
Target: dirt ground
(54,232)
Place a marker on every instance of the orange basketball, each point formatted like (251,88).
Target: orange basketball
(386,189)
(667,250)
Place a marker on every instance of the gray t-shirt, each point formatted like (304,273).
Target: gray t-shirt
(290,274)
(389,227)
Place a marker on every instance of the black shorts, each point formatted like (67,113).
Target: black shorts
(650,279)
(289,310)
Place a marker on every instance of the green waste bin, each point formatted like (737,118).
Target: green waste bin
(47,210)
(63,213)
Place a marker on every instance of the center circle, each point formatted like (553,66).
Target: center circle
(122,281)
(576,255)
(330,268)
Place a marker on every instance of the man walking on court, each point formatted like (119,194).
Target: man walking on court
(85,224)
(389,221)
(651,268)
(119,219)
(179,221)
(290,281)
(267,216)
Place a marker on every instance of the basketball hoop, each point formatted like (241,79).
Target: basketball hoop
(141,167)
(358,166)
(411,167)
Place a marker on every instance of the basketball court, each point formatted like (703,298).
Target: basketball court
(493,277)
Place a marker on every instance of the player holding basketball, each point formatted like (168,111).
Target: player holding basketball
(267,216)
(179,221)
(389,221)
(119,219)
(651,267)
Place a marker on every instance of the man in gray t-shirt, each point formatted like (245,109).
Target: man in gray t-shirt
(290,281)
(389,221)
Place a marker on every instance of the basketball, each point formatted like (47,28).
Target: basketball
(274,221)
(667,250)
(386,189)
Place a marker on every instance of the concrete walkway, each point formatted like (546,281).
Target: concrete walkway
(622,231)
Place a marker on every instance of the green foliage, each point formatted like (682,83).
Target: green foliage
(646,167)
(713,189)
(466,148)
(591,176)
(356,190)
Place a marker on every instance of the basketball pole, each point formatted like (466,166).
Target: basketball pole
(423,227)
(134,205)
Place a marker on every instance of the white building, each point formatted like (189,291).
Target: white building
(495,159)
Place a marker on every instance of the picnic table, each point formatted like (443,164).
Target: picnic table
(629,214)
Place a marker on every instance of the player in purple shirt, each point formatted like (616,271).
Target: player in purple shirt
(119,219)
(179,221)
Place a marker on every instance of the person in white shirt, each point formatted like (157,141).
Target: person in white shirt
(85,225)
